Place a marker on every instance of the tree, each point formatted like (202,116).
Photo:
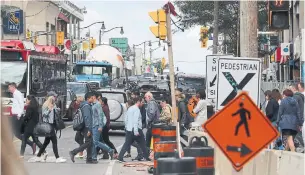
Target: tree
(201,13)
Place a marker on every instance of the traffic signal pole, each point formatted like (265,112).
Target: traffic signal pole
(172,78)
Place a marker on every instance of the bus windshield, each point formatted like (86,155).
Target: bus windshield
(12,71)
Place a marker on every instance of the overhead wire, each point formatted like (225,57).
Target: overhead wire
(39,11)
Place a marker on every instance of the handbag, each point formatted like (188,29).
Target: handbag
(43,129)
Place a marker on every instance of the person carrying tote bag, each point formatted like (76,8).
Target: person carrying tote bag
(48,118)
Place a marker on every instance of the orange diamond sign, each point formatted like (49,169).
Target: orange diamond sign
(241,130)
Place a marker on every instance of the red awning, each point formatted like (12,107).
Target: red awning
(47,49)
(63,17)
(16,44)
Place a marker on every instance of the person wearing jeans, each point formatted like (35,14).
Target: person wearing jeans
(105,132)
(133,125)
(98,122)
(87,130)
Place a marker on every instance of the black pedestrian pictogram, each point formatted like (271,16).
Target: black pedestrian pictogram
(243,119)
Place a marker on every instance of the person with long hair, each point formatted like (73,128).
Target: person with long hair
(49,111)
(275,93)
(271,106)
(289,119)
(105,132)
(31,119)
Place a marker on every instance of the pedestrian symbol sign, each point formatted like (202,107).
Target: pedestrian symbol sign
(241,130)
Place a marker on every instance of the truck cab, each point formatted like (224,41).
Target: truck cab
(96,73)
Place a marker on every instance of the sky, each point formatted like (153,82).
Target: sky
(189,57)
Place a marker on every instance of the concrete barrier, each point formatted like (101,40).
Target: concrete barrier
(267,162)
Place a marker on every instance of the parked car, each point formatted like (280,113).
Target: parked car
(79,88)
(71,99)
(117,99)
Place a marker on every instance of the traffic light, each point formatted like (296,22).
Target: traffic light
(28,34)
(60,38)
(35,40)
(160,30)
(204,37)
(92,43)
(278,14)
(163,63)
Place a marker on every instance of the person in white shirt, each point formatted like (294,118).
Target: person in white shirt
(17,111)
(201,109)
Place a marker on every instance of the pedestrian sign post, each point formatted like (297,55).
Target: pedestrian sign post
(241,130)
(237,74)
(211,74)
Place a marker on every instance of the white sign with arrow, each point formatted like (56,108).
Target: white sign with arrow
(211,74)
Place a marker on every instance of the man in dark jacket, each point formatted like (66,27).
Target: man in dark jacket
(299,97)
(152,115)
(87,130)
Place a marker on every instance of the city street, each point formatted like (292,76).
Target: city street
(67,143)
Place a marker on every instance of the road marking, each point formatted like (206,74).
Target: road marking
(111,163)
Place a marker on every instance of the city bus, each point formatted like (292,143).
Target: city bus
(35,71)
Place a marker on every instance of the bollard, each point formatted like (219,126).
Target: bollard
(156,131)
(164,149)
(204,155)
(168,133)
(176,166)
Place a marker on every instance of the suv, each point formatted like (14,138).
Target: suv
(117,105)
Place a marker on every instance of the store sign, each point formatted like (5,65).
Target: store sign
(13,22)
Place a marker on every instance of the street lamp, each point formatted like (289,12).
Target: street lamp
(102,31)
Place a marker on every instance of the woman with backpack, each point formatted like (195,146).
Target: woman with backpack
(31,119)
(49,112)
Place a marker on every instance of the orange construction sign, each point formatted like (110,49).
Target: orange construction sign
(241,130)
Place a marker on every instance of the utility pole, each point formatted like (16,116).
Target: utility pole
(248,29)
(172,77)
(215,25)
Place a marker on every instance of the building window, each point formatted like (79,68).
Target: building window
(53,35)
(47,35)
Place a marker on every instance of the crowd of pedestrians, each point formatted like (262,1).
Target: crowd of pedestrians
(93,137)
(286,112)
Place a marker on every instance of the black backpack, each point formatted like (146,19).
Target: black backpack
(78,120)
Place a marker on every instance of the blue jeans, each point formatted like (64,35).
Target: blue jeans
(97,143)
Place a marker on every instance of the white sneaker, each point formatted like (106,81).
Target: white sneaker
(60,160)
(44,156)
(36,159)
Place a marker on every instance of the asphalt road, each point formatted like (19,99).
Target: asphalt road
(67,143)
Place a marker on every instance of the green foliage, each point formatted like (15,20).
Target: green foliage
(195,13)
